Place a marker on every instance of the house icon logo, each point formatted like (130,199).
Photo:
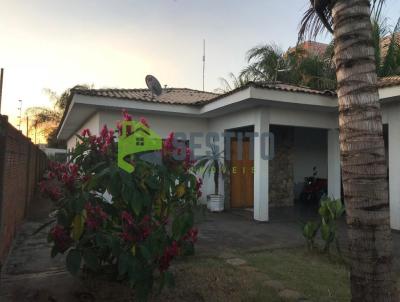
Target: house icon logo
(136,138)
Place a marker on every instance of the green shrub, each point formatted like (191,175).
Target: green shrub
(310,230)
(329,211)
(120,226)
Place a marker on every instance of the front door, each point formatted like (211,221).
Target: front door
(242,175)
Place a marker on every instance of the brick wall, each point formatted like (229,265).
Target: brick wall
(21,166)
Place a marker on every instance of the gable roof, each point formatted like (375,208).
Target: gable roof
(182,96)
(185,96)
(191,101)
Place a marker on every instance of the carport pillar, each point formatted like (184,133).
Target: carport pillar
(261,150)
(334,179)
(394,168)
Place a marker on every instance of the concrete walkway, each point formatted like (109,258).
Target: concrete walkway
(30,274)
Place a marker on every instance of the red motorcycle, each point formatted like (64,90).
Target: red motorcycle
(314,188)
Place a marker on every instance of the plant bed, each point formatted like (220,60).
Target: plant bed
(119,226)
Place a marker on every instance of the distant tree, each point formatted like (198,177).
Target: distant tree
(387,47)
(269,63)
(45,120)
(231,83)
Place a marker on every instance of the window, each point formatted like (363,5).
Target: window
(140,141)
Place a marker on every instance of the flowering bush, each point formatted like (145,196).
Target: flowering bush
(126,227)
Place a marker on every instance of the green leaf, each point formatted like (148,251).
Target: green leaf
(115,246)
(62,218)
(73,261)
(326,231)
(152,182)
(78,204)
(145,252)
(115,184)
(102,240)
(54,251)
(91,259)
(77,226)
(136,205)
(123,264)
(127,193)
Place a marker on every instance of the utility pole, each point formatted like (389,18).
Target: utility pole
(1,85)
(204,59)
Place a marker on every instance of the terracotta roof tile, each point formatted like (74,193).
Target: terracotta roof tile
(185,96)
(389,81)
(182,96)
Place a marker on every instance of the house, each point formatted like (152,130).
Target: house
(303,121)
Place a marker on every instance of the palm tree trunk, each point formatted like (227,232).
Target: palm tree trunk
(363,154)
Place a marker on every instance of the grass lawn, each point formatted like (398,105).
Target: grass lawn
(316,277)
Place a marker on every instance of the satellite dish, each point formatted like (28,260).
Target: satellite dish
(154,85)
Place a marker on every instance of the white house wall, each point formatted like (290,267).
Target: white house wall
(162,124)
(93,124)
(393,115)
(303,118)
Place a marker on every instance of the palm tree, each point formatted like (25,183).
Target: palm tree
(387,47)
(265,61)
(47,119)
(233,82)
(361,143)
(268,63)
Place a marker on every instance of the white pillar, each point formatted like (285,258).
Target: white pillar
(334,179)
(261,126)
(394,168)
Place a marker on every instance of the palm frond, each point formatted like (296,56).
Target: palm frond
(390,62)
(376,7)
(316,19)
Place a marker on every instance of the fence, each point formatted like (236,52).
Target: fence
(21,166)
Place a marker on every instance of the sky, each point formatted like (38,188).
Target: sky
(58,44)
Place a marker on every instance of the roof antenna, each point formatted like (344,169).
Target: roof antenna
(204,59)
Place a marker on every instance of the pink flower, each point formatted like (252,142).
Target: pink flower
(127,218)
(119,128)
(188,158)
(144,122)
(95,216)
(168,145)
(191,235)
(104,132)
(199,183)
(169,253)
(126,115)
(85,132)
(61,238)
